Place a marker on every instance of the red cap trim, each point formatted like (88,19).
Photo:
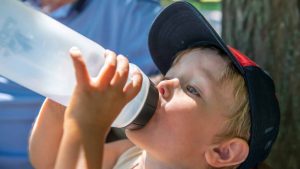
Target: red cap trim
(241,58)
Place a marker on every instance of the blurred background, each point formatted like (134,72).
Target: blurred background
(268,31)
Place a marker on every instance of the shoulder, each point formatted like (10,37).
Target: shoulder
(113,150)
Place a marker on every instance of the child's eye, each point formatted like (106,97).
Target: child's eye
(192,90)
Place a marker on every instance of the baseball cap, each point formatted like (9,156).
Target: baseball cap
(179,26)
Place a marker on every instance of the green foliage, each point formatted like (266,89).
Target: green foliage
(199,4)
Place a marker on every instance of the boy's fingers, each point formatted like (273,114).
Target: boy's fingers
(132,88)
(108,70)
(81,72)
(122,71)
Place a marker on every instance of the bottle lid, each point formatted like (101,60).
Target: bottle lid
(148,109)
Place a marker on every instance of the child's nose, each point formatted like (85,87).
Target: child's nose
(166,88)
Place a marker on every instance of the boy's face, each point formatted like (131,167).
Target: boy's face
(192,109)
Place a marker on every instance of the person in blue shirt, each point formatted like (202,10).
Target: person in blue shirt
(119,25)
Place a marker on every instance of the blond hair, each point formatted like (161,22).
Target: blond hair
(238,123)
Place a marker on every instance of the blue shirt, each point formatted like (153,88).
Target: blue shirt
(119,25)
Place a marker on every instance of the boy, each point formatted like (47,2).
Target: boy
(217,108)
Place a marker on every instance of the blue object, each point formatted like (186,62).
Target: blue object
(119,25)
(18,108)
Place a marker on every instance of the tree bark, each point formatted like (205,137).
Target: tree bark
(268,31)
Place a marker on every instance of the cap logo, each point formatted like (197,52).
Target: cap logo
(269,143)
(269,130)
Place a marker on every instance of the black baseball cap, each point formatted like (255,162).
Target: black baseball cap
(179,26)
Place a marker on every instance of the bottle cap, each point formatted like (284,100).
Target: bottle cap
(148,109)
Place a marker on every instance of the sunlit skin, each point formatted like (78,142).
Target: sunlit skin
(94,104)
(192,111)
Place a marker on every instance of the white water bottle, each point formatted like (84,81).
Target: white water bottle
(34,52)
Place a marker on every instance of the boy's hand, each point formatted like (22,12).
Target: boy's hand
(97,102)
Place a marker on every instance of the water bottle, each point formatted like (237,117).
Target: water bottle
(34,52)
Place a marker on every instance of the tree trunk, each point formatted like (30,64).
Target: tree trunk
(268,31)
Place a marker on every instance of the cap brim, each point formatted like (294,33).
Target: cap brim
(176,28)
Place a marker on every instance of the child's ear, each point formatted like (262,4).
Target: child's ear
(228,153)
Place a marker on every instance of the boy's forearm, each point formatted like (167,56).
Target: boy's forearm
(93,141)
(69,149)
(46,136)
(77,138)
